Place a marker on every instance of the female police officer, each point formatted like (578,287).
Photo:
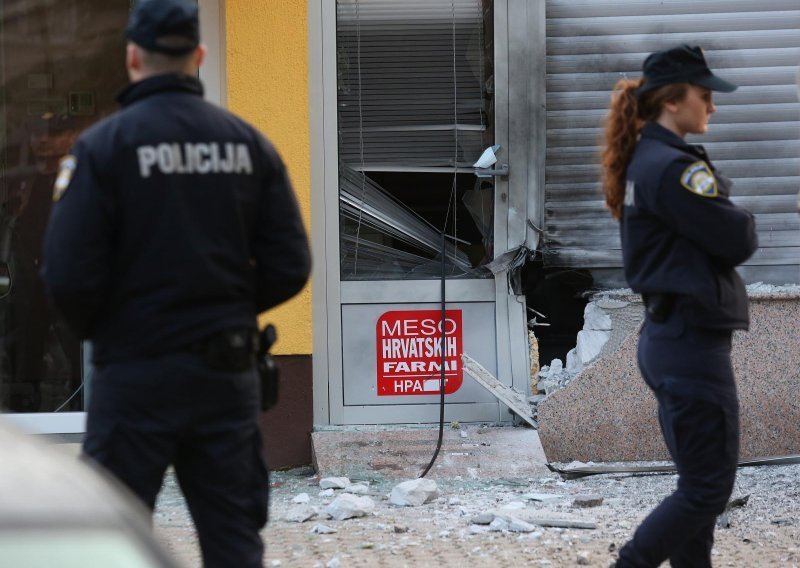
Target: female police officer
(681,239)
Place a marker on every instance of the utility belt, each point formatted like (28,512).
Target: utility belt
(236,350)
(659,306)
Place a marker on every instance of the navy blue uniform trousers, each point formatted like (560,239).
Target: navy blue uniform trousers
(145,415)
(689,370)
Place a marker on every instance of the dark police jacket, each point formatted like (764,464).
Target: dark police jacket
(174,220)
(681,234)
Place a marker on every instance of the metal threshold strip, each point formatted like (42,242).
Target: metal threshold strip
(585,471)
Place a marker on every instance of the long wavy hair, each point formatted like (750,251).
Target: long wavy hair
(625,119)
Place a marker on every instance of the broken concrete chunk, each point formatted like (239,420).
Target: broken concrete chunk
(414,493)
(542,497)
(582,559)
(348,506)
(563,523)
(357,489)
(512,506)
(301,498)
(588,500)
(573,361)
(511,524)
(482,519)
(334,482)
(326,493)
(596,318)
(590,342)
(319,528)
(301,513)
(549,385)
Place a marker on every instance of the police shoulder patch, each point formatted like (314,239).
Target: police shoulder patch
(66,167)
(698,178)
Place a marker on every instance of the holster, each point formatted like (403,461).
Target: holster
(231,350)
(267,368)
(659,306)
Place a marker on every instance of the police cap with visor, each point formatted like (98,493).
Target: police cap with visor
(683,64)
(164,26)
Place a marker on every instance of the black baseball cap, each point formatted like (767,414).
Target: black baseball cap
(164,26)
(683,64)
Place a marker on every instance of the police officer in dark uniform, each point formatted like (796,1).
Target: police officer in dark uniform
(174,226)
(682,238)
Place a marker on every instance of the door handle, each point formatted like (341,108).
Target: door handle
(501,170)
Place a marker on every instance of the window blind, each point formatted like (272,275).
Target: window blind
(410,78)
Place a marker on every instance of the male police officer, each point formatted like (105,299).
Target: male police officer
(174,225)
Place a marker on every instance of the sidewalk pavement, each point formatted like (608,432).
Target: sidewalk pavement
(498,481)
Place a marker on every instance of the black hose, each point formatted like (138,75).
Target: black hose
(442,326)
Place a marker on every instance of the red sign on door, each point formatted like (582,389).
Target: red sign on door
(410,352)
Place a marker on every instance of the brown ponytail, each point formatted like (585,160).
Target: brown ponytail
(625,119)
(622,127)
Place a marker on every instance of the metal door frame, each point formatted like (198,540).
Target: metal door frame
(518,200)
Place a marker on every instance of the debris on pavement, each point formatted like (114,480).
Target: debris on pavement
(334,483)
(414,493)
(586,501)
(319,528)
(301,513)
(356,489)
(301,499)
(515,400)
(763,521)
(348,506)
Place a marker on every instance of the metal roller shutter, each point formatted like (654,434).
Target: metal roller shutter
(754,137)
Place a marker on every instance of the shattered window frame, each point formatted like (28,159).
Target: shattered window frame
(415,110)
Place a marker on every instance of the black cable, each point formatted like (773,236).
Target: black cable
(442,326)
(451,201)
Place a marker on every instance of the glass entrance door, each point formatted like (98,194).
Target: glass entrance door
(419,97)
(60,66)
(61,63)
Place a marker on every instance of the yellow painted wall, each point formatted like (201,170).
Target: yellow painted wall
(267,67)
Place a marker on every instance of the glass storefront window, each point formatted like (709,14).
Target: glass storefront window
(61,63)
(415,111)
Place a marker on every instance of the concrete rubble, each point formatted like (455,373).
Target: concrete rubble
(301,513)
(586,501)
(617,412)
(302,498)
(349,506)
(414,493)
(590,341)
(334,483)
(536,518)
(357,489)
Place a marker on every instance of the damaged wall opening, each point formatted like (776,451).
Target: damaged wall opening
(560,294)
